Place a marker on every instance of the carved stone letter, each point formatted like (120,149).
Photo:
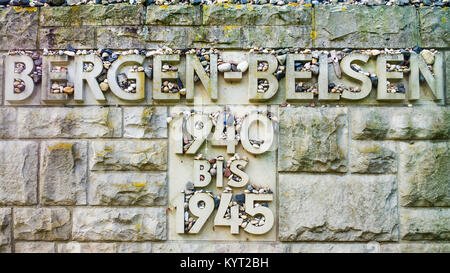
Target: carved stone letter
(255,75)
(10,76)
(89,77)
(210,83)
(292,75)
(435,83)
(127,60)
(159,76)
(366,86)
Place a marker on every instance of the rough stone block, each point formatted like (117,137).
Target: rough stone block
(338,208)
(129,155)
(425,224)
(363,26)
(373,157)
(219,247)
(128,189)
(263,15)
(91,15)
(18,172)
(8,128)
(434,27)
(141,37)
(5,230)
(85,122)
(18,28)
(313,139)
(145,122)
(77,247)
(174,15)
(35,247)
(63,173)
(428,122)
(424,174)
(277,36)
(48,224)
(113,224)
(61,37)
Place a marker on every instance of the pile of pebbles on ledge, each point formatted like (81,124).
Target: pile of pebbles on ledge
(237,200)
(40,3)
(230,119)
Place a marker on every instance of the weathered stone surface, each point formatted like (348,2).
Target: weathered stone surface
(313,139)
(91,15)
(371,247)
(47,224)
(8,128)
(173,15)
(18,26)
(428,122)
(424,174)
(134,247)
(338,208)
(128,189)
(77,247)
(141,37)
(416,248)
(277,36)
(215,36)
(373,157)
(256,15)
(63,173)
(447,73)
(83,122)
(434,27)
(129,155)
(34,247)
(127,224)
(145,122)
(363,26)
(5,230)
(219,247)
(425,224)
(61,37)
(18,172)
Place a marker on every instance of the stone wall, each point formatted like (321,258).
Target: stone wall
(353,178)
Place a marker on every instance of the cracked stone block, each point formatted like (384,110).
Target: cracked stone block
(8,128)
(416,248)
(63,173)
(425,224)
(18,172)
(174,15)
(18,26)
(5,230)
(424,174)
(35,247)
(91,15)
(340,26)
(338,208)
(373,157)
(248,15)
(128,189)
(85,122)
(145,122)
(411,123)
(132,155)
(434,27)
(114,224)
(35,224)
(313,139)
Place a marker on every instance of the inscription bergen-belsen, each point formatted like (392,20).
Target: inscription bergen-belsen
(65,77)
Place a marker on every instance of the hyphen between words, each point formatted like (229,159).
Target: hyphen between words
(66,75)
